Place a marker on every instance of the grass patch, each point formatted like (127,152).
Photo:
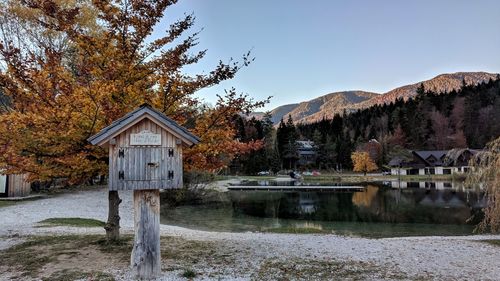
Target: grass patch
(220,177)
(323,178)
(251,178)
(189,273)
(89,257)
(356,178)
(492,242)
(305,269)
(6,203)
(296,230)
(70,275)
(65,256)
(178,253)
(77,222)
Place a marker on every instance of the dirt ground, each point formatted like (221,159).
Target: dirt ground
(31,252)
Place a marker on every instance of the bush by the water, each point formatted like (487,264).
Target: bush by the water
(194,190)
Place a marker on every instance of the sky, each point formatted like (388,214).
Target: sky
(305,49)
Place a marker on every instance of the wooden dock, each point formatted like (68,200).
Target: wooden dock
(301,188)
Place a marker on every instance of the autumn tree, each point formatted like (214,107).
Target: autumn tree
(58,97)
(362,162)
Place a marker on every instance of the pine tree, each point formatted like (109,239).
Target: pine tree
(281,139)
(330,154)
(319,145)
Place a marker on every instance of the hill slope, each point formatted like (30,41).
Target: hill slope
(328,105)
(443,83)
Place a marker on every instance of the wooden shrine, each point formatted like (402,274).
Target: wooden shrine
(145,155)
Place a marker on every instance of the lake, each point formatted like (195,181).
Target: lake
(376,210)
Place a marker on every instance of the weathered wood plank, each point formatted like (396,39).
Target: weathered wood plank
(146,259)
(18,186)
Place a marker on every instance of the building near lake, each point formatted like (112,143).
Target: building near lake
(433,162)
(306,152)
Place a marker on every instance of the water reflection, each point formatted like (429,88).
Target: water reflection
(427,184)
(376,211)
(373,204)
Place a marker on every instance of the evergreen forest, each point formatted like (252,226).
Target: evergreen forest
(467,118)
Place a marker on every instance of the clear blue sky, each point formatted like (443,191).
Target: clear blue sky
(305,49)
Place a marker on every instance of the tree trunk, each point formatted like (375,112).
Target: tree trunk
(112,227)
(145,259)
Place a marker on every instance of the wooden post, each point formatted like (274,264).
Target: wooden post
(145,259)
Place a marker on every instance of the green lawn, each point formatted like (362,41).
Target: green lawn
(352,177)
(77,222)
(295,230)
(362,178)
(492,242)
(220,177)
(6,203)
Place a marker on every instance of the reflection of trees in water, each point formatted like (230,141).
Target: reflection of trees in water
(373,204)
(366,197)
(307,203)
(307,225)
(416,205)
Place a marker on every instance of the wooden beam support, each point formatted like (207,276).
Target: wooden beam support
(146,259)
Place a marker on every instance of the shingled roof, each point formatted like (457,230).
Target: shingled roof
(118,125)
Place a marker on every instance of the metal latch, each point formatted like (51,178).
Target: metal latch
(170,152)
(121,152)
(170,175)
(121,175)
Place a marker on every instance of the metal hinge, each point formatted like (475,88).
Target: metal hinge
(121,175)
(121,152)
(170,175)
(170,152)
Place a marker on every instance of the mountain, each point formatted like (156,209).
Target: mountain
(443,83)
(328,105)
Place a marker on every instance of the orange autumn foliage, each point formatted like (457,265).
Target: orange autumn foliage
(60,94)
(362,162)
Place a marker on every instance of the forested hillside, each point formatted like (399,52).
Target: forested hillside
(334,103)
(468,117)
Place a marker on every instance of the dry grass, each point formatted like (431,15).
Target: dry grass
(302,269)
(70,275)
(54,257)
(90,257)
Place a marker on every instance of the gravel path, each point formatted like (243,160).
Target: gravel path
(439,258)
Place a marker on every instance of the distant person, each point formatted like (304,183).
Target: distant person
(295,175)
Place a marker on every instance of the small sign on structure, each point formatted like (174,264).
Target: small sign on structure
(145,138)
